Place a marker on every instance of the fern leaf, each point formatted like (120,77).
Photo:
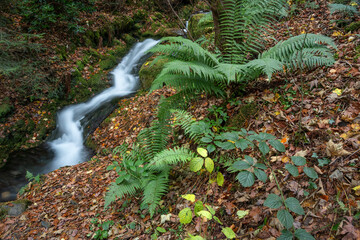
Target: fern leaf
(266,65)
(170,157)
(341,8)
(119,191)
(154,190)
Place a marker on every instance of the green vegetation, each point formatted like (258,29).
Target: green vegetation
(192,70)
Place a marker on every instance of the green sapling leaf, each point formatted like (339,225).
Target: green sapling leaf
(285,218)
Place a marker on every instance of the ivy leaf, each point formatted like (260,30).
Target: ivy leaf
(285,235)
(298,160)
(277,145)
(302,234)
(190,197)
(240,165)
(323,162)
(285,218)
(220,179)
(294,205)
(228,232)
(273,201)
(261,175)
(202,151)
(292,169)
(185,216)
(209,165)
(196,164)
(246,178)
(264,148)
(310,172)
(205,214)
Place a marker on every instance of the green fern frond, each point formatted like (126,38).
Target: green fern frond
(184,49)
(154,190)
(195,130)
(265,65)
(308,49)
(120,190)
(341,8)
(153,139)
(170,157)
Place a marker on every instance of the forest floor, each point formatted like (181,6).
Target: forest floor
(68,203)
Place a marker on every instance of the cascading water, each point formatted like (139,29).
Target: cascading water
(69,147)
(67,141)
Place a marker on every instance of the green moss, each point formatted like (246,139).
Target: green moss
(352,27)
(197,30)
(108,63)
(5,110)
(149,72)
(240,119)
(130,40)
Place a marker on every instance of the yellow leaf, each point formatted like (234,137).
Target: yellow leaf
(356,188)
(337,91)
(277,113)
(353,4)
(242,213)
(336,34)
(312,19)
(190,197)
(285,159)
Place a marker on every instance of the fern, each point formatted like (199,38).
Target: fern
(243,25)
(342,8)
(120,190)
(170,157)
(308,49)
(195,130)
(145,168)
(155,188)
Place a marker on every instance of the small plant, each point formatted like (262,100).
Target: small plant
(32,179)
(205,213)
(102,229)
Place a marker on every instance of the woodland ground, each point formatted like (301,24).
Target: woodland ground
(66,202)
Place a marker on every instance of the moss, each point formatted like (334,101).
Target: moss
(149,72)
(80,65)
(352,27)
(108,63)
(5,110)
(130,40)
(240,119)
(196,30)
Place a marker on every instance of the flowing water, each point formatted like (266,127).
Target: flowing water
(66,145)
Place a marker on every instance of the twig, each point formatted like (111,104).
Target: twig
(181,21)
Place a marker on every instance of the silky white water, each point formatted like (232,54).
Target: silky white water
(69,148)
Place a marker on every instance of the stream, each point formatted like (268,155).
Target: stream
(65,146)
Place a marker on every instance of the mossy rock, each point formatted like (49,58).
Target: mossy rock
(149,71)
(13,208)
(195,30)
(5,110)
(352,27)
(108,63)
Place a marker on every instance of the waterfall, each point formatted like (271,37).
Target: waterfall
(68,146)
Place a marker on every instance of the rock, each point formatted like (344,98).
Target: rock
(149,72)
(14,208)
